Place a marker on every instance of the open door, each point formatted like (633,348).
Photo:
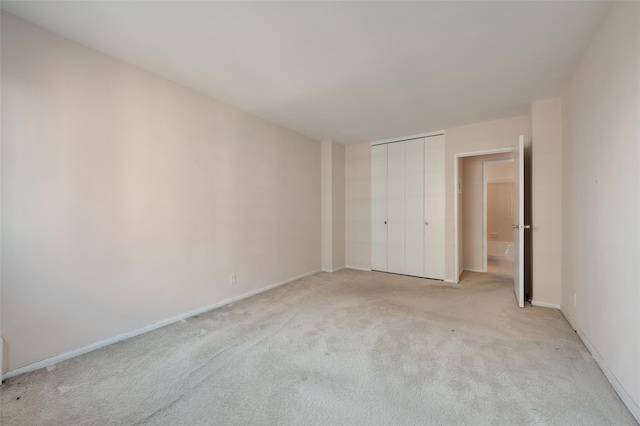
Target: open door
(519,226)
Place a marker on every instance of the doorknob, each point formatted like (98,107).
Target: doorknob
(527,227)
(521,226)
(515,226)
(426,223)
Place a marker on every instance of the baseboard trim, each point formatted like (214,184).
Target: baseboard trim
(92,347)
(568,318)
(545,304)
(475,270)
(622,393)
(333,270)
(357,268)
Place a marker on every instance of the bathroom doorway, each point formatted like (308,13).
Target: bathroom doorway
(499,193)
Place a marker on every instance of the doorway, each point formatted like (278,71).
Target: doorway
(474,206)
(518,227)
(498,216)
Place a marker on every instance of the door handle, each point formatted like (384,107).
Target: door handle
(521,226)
(426,223)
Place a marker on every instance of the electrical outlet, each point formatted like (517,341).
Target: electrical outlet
(575,299)
(232,279)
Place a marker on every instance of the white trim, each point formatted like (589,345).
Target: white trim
(485,217)
(568,318)
(357,268)
(405,138)
(474,270)
(456,157)
(622,393)
(92,347)
(333,270)
(456,189)
(545,304)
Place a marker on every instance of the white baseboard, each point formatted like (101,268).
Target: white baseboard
(474,270)
(545,304)
(622,393)
(92,347)
(357,268)
(333,270)
(568,318)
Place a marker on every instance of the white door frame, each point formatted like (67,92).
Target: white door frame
(456,157)
(485,181)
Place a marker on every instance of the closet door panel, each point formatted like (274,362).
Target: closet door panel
(434,207)
(379,208)
(414,207)
(396,207)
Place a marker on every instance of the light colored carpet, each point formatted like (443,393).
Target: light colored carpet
(350,347)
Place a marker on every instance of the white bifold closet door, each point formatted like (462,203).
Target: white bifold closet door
(434,216)
(407,218)
(379,207)
(414,258)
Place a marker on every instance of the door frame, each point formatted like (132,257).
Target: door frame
(485,181)
(456,244)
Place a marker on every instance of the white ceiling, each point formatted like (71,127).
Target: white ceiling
(348,71)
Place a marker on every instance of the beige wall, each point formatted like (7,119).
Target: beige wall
(128,199)
(546,201)
(338,205)
(333,205)
(500,171)
(471,138)
(458,242)
(601,199)
(327,204)
(472,210)
(358,206)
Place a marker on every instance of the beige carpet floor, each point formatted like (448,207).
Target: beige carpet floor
(352,347)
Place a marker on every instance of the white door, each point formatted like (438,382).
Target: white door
(395,207)
(414,208)
(434,216)
(519,227)
(379,208)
